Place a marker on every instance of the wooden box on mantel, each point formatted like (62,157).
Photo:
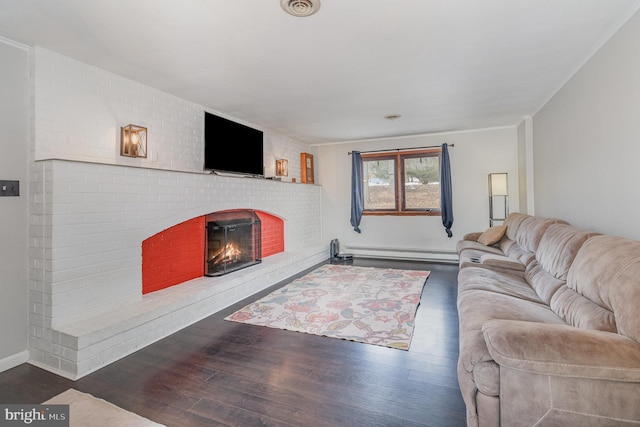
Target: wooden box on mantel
(306,167)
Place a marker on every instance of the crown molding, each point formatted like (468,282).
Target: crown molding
(14,43)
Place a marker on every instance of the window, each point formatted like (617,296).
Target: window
(403,183)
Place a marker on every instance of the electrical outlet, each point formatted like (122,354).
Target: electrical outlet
(9,188)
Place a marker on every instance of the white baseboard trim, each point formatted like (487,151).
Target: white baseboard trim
(14,360)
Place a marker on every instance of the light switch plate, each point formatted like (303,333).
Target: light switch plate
(9,188)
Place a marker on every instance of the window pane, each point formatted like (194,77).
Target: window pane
(379,184)
(422,182)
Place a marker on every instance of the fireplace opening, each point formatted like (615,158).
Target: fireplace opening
(233,241)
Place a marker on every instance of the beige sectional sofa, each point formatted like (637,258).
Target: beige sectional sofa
(549,326)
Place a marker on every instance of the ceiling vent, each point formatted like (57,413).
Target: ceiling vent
(300,7)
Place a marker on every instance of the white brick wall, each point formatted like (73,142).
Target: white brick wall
(281,147)
(100,214)
(80,109)
(90,210)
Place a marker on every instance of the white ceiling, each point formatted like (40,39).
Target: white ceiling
(443,65)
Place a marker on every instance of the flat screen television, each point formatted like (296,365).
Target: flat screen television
(232,147)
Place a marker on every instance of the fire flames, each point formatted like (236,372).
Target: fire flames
(229,253)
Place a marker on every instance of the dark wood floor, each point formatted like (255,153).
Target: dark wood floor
(217,373)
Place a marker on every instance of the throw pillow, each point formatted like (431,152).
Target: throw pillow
(493,235)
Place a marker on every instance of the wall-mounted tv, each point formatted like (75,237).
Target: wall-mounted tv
(232,147)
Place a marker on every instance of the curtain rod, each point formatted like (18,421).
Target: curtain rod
(402,149)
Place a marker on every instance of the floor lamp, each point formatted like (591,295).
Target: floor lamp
(498,198)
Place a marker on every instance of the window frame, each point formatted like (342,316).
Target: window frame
(399,190)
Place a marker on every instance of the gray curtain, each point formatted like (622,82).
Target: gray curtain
(357,195)
(446,198)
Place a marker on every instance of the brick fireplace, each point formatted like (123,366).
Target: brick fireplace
(90,209)
(88,308)
(179,253)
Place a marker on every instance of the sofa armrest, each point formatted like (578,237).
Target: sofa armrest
(473,237)
(554,374)
(562,350)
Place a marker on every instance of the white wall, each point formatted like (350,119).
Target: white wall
(14,120)
(525,165)
(80,109)
(587,142)
(475,155)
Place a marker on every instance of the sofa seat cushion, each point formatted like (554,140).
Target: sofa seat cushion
(498,282)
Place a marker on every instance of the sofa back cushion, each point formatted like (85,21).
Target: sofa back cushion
(581,312)
(543,283)
(523,236)
(603,287)
(509,243)
(531,230)
(513,222)
(557,250)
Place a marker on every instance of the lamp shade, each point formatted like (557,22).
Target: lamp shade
(498,184)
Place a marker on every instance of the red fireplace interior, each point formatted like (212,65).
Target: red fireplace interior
(178,253)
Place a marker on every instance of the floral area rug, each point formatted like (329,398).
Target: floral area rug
(364,304)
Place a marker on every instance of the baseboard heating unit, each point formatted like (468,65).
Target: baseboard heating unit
(417,254)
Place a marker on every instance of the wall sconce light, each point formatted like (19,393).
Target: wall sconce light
(133,141)
(498,198)
(282,167)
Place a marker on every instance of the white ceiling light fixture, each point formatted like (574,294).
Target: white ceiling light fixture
(300,8)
